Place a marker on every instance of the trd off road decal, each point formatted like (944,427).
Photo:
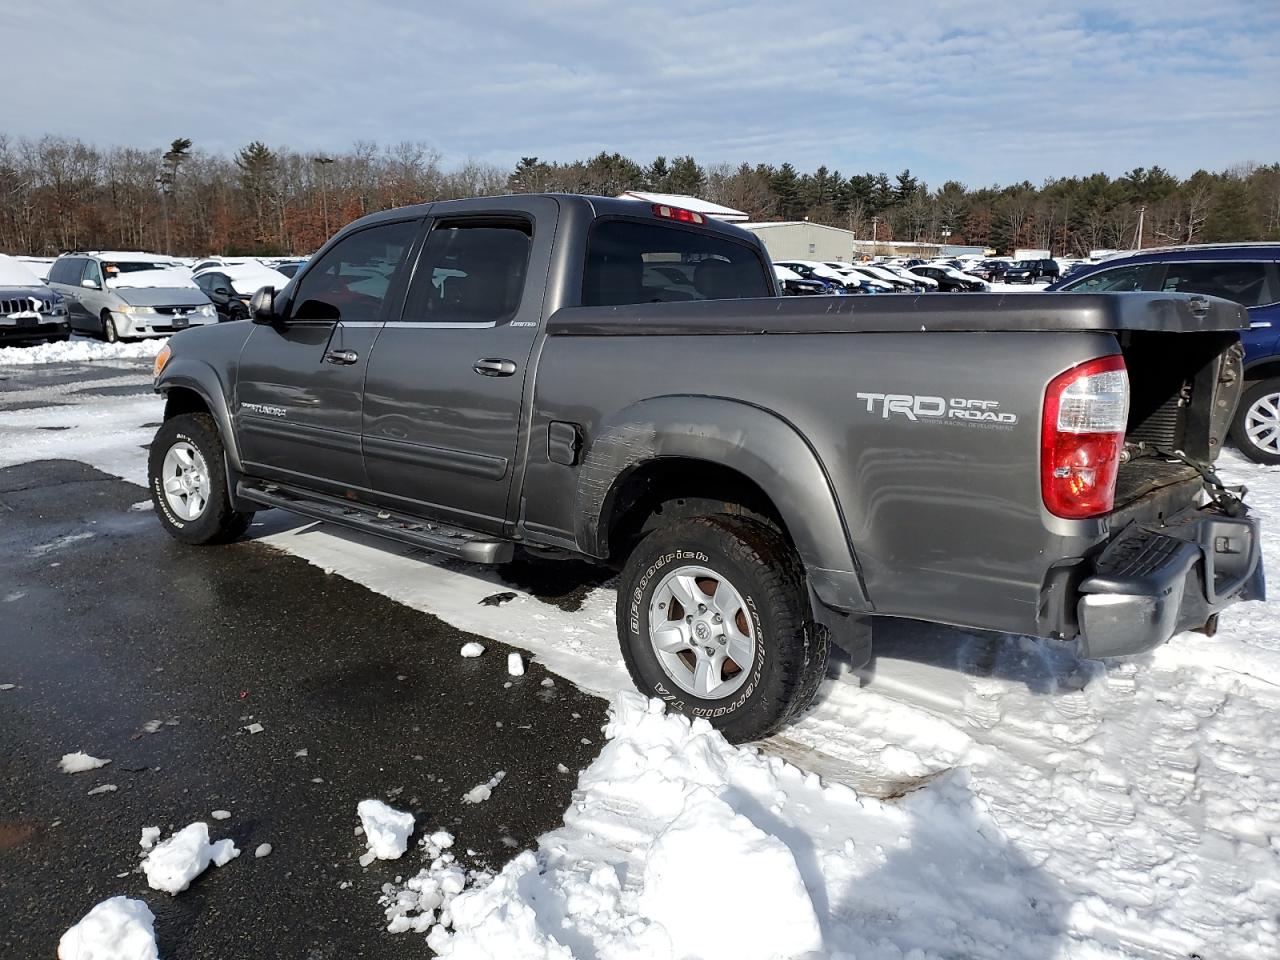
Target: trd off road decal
(958,410)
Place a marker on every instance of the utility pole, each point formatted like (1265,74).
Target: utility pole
(165,183)
(875,231)
(324,189)
(1142,211)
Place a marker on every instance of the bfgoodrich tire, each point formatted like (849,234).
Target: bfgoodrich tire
(1256,426)
(713,619)
(186,470)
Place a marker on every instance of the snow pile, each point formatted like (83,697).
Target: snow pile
(79,762)
(679,844)
(483,791)
(386,830)
(515,665)
(69,351)
(472,649)
(116,929)
(423,902)
(172,865)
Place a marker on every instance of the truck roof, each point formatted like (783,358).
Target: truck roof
(582,205)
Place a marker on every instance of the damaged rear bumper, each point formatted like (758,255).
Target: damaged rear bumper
(1155,579)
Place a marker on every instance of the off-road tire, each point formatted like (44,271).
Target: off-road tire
(791,651)
(1239,431)
(218,523)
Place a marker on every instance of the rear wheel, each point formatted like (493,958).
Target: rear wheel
(109,333)
(713,619)
(1256,427)
(188,479)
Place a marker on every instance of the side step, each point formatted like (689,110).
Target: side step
(438,537)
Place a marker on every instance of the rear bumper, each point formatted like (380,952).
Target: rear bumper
(1156,579)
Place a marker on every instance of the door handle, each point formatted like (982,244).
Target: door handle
(341,356)
(494,368)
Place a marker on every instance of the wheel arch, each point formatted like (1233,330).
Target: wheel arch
(726,451)
(192,386)
(1265,369)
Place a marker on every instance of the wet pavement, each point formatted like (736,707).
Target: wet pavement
(107,624)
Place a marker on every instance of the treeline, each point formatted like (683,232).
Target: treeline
(61,194)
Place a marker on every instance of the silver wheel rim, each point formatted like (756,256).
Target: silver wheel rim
(184,477)
(1262,423)
(701,632)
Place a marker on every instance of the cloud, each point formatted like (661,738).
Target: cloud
(1001,92)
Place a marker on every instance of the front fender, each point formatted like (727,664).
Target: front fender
(200,377)
(751,440)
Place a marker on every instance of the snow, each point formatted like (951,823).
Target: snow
(734,862)
(249,278)
(423,902)
(115,929)
(79,762)
(262,850)
(386,830)
(515,665)
(172,865)
(76,350)
(14,273)
(221,814)
(104,788)
(483,791)
(472,649)
(168,278)
(149,837)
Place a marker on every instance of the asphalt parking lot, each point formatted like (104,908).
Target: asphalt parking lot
(108,625)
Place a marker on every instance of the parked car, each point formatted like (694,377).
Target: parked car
(209,263)
(1032,271)
(37,265)
(816,270)
(926,284)
(231,287)
(885,281)
(950,280)
(464,377)
(992,271)
(118,294)
(289,268)
(30,312)
(1249,274)
(794,285)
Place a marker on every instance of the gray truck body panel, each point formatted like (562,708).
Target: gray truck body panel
(829,405)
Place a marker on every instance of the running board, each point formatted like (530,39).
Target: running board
(437,537)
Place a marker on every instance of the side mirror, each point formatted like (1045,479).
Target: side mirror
(91,284)
(262,306)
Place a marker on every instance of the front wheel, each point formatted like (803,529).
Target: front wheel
(713,619)
(109,332)
(188,479)
(1256,426)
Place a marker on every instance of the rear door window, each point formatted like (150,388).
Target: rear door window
(1244,282)
(470,271)
(635,262)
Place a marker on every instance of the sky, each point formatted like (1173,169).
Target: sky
(980,92)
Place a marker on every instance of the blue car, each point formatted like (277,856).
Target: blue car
(1249,274)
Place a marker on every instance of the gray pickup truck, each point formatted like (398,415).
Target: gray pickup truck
(609,379)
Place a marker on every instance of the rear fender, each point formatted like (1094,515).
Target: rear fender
(756,443)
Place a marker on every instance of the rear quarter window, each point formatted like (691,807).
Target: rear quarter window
(631,261)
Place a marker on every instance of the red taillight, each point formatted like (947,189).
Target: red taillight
(679,214)
(1082,437)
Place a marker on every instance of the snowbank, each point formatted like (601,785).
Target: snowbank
(386,830)
(172,865)
(679,844)
(77,351)
(116,929)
